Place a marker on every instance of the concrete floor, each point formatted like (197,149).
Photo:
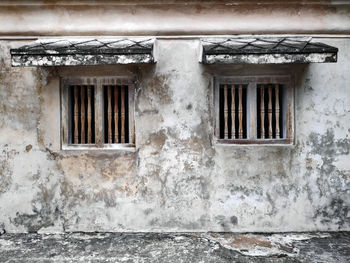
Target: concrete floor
(175,247)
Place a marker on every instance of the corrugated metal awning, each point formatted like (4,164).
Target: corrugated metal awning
(72,52)
(266,50)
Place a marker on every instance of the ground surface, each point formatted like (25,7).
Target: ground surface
(167,247)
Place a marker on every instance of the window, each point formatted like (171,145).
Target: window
(254,110)
(97,113)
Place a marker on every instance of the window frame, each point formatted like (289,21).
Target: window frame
(98,82)
(251,82)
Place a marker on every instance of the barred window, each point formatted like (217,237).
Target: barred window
(254,110)
(97,113)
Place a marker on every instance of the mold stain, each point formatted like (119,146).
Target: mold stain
(45,211)
(6,168)
(330,181)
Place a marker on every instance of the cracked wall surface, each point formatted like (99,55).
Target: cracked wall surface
(177,178)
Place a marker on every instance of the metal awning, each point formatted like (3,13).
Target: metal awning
(72,52)
(266,50)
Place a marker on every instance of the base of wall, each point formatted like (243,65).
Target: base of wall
(175,247)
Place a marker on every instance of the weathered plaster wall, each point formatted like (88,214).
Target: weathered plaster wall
(177,179)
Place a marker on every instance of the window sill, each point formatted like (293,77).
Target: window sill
(105,147)
(249,142)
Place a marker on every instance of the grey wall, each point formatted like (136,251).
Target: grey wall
(177,178)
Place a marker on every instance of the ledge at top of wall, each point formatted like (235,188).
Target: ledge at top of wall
(171,17)
(170,2)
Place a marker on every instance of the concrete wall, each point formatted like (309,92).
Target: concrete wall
(172,17)
(177,179)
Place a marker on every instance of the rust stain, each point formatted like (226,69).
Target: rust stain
(28,148)
(242,241)
(246,241)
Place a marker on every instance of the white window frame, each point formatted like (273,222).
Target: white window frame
(251,82)
(98,83)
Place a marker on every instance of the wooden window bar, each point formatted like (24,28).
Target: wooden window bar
(232,125)
(116,114)
(82,115)
(269,100)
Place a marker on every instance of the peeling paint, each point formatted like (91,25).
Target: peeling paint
(270,58)
(78,59)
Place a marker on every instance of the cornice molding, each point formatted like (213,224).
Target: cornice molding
(167,2)
(206,18)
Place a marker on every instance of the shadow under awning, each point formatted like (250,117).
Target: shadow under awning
(266,50)
(84,51)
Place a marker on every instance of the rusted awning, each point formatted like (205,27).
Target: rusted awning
(266,50)
(72,52)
